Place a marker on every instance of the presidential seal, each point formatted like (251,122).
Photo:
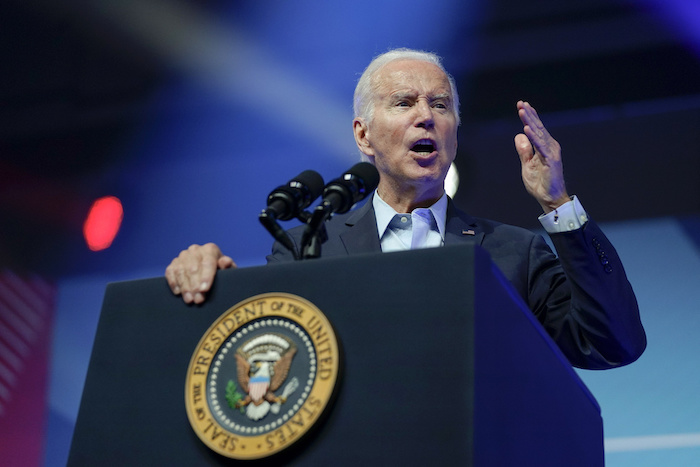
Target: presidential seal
(261,376)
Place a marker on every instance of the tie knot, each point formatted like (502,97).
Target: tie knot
(424,215)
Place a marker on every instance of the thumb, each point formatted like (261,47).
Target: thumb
(523,147)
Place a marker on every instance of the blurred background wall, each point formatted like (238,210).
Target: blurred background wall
(190,112)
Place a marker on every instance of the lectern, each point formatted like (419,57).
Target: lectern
(441,363)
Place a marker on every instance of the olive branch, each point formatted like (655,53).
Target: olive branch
(233,396)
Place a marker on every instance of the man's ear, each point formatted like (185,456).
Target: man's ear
(361,131)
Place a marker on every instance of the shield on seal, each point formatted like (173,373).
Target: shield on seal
(258,387)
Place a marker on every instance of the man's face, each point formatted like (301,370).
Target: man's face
(412,138)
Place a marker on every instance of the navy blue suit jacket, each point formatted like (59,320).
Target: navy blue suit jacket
(583,298)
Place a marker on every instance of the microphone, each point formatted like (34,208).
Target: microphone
(351,187)
(338,197)
(287,201)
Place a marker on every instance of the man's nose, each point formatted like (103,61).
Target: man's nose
(425,114)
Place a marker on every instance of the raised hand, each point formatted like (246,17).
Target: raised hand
(540,158)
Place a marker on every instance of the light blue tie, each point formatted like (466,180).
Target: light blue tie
(423,222)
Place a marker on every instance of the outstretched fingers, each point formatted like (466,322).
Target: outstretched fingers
(542,142)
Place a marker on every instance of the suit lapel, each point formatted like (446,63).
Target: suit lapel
(361,235)
(461,228)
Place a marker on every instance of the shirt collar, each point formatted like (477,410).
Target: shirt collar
(385,213)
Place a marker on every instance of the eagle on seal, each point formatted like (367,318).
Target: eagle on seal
(263,365)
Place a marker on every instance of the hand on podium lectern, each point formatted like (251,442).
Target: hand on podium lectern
(192,272)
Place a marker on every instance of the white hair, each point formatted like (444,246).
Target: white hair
(363,104)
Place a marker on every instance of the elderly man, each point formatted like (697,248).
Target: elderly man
(406,119)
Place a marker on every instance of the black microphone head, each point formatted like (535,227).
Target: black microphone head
(353,186)
(287,201)
(368,175)
(311,182)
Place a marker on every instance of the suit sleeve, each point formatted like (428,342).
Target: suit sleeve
(584,299)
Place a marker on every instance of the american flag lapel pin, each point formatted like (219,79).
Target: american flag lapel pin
(468,232)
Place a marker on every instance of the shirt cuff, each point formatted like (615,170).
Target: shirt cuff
(567,217)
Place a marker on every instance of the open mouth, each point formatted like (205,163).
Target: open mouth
(423,146)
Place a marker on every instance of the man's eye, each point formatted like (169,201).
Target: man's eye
(402,104)
(440,105)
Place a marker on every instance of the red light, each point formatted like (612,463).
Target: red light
(103,222)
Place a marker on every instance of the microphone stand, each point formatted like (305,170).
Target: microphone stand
(269,221)
(315,232)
